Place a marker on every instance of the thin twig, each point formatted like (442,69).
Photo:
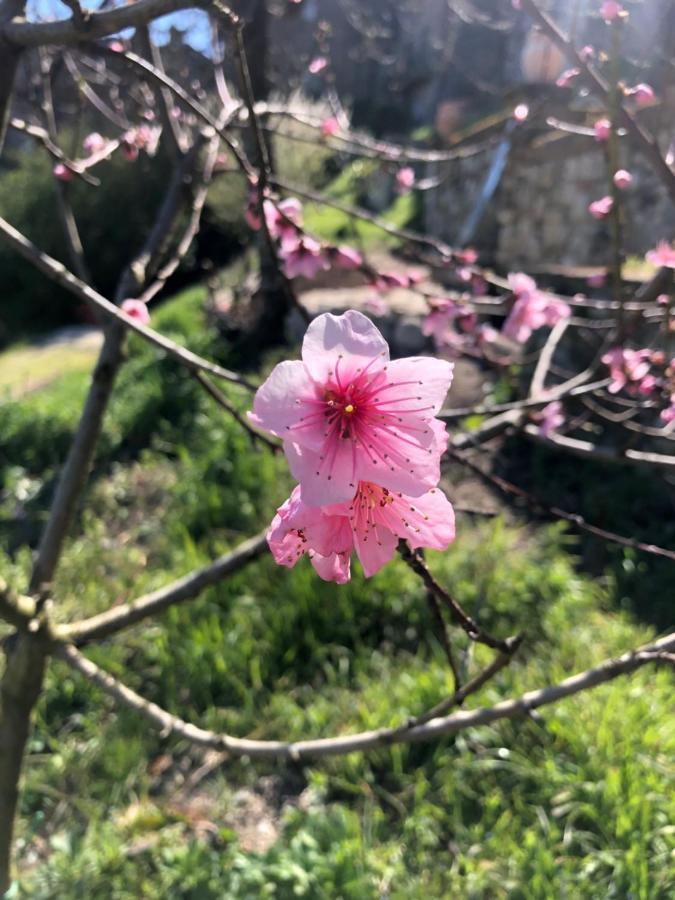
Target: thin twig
(554,512)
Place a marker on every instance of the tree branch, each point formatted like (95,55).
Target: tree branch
(187,588)
(98,24)
(171,725)
(58,273)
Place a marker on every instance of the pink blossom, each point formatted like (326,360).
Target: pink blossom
(662,299)
(627,369)
(532,309)
(597,280)
(376,305)
(601,208)
(611,10)
(136,309)
(129,149)
(643,94)
(282,218)
(62,172)
(567,77)
(516,4)
(450,324)
(667,415)
(521,112)
(587,53)
(346,257)
(318,64)
(662,256)
(330,127)
(94,143)
(348,414)
(116,46)
(302,257)
(405,179)
(622,179)
(387,281)
(602,129)
(550,418)
(468,256)
(371,523)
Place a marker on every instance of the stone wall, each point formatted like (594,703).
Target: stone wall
(539,213)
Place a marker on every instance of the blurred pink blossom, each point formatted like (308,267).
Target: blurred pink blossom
(533,308)
(629,369)
(611,10)
(597,280)
(137,310)
(330,127)
(346,257)
(643,94)
(521,112)
(567,77)
(318,64)
(94,142)
(622,179)
(601,208)
(405,179)
(62,172)
(662,256)
(550,418)
(602,129)
(302,256)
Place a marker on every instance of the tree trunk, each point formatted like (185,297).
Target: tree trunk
(19,691)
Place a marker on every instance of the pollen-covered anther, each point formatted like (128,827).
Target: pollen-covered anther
(349,408)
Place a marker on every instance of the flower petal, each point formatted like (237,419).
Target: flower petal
(285,401)
(326,480)
(335,567)
(412,378)
(374,548)
(351,335)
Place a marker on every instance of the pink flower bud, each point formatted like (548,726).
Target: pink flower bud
(643,94)
(116,46)
(601,208)
(330,127)
(622,178)
(567,77)
(611,10)
(137,310)
(521,112)
(93,143)
(602,129)
(597,280)
(346,257)
(405,179)
(317,65)
(63,173)
(587,53)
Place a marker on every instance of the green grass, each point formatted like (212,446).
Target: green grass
(577,805)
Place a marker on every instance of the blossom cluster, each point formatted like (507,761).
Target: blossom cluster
(455,327)
(362,439)
(643,372)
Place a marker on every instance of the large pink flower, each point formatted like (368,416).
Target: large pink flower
(371,524)
(532,310)
(348,414)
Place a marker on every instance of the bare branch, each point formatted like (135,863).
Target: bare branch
(58,273)
(555,512)
(98,25)
(413,559)
(187,588)
(171,725)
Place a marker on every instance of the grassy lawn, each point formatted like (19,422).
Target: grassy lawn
(576,804)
